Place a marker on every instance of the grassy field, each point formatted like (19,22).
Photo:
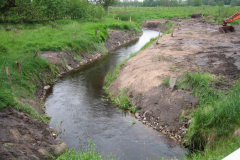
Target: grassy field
(139,14)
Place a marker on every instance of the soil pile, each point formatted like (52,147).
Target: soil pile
(196,46)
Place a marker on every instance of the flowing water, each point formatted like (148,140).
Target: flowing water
(76,107)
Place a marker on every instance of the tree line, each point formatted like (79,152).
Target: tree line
(45,10)
(173,3)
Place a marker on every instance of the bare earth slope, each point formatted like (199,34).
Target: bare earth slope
(197,45)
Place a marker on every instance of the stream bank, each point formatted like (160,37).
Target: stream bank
(196,46)
(21,136)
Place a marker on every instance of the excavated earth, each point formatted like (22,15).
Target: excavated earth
(22,137)
(196,46)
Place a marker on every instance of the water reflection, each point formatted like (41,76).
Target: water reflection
(76,102)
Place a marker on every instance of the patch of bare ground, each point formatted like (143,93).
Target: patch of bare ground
(21,137)
(197,45)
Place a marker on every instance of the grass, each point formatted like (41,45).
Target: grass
(165,82)
(215,118)
(215,14)
(19,42)
(89,154)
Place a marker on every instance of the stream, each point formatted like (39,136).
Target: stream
(77,109)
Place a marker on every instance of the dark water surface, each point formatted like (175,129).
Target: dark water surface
(75,106)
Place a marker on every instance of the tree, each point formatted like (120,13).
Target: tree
(212,3)
(107,3)
(5,5)
(221,3)
(197,2)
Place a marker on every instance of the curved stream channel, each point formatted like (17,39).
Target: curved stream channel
(76,107)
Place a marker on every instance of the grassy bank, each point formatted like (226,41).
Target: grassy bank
(215,119)
(20,42)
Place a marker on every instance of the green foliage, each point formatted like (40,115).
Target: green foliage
(212,3)
(221,148)
(217,114)
(89,154)
(165,81)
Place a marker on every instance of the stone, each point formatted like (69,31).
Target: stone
(69,68)
(46,87)
(172,82)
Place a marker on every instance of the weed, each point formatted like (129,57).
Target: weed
(89,154)
(165,81)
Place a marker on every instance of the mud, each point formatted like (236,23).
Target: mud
(22,137)
(196,46)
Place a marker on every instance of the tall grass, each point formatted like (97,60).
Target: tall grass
(217,114)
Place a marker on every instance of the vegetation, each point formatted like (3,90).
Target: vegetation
(51,25)
(174,3)
(216,117)
(89,154)
(20,41)
(139,14)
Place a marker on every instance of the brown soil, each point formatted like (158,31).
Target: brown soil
(198,45)
(22,137)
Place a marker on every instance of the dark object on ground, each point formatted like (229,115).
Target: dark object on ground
(226,29)
(197,15)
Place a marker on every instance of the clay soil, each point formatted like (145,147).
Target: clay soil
(197,45)
(22,137)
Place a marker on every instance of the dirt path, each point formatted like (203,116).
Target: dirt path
(196,46)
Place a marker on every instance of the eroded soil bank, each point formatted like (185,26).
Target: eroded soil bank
(197,45)
(22,137)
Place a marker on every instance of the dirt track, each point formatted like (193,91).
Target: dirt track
(196,46)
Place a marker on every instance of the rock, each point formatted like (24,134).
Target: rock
(69,68)
(46,87)
(60,149)
(137,115)
(172,82)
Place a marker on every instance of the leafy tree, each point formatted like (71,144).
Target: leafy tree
(189,2)
(107,3)
(212,3)
(5,5)
(100,12)
(221,3)
(197,2)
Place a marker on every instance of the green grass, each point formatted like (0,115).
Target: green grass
(219,150)
(89,154)
(216,116)
(165,82)
(139,14)
(19,42)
